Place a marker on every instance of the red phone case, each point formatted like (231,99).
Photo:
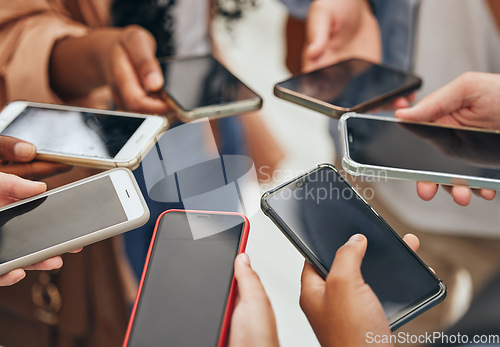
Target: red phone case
(224,332)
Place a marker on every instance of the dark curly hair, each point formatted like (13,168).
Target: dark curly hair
(156,17)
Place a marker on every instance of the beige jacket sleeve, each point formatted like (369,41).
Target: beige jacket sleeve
(28,31)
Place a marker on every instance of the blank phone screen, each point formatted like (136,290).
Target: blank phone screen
(202,81)
(349,83)
(323,212)
(73,132)
(187,283)
(59,217)
(423,147)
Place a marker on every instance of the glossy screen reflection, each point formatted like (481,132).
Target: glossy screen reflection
(424,148)
(187,284)
(324,213)
(59,217)
(73,132)
(202,81)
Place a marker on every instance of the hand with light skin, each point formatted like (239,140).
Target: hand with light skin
(342,309)
(469,100)
(12,189)
(252,322)
(340,29)
(121,58)
(18,157)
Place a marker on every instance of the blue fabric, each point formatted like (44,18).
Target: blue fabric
(137,241)
(297,8)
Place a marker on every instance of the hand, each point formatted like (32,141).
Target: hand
(340,29)
(124,59)
(12,189)
(17,157)
(343,309)
(469,100)
(253,322)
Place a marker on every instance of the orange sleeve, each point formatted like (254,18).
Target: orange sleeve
(28,32)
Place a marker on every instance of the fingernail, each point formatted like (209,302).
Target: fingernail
(24,150)
(153,81)
(245,258)
(39,184)
(356,237)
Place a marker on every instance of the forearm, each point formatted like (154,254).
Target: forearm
(77,64)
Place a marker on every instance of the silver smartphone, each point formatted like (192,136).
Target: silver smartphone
(82,136)
(200,86)
(319,211)
(353,85)
(70,217)
(391,148)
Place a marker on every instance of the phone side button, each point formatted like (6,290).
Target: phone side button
(376,213)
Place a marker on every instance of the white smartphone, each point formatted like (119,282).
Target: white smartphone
(82,136)
(70,217)
(386,147)
(200,86)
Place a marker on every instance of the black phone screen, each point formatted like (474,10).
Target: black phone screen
(187,281)
(73,132)
(424,147)
(323,212)
(350,83)
(59,217)
(202,81)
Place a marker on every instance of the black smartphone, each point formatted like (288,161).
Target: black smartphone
(187,289)
(352,85)
(392,148)
(200,86)
(319,211)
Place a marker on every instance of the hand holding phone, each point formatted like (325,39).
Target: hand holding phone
(319,211)
(344,310)
(469,100)
(447,154)
(13,188)
(82,136)
(67,218)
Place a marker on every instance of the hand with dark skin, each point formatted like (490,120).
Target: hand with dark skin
(342,309)
(470,100)
(121,58)
(18,157)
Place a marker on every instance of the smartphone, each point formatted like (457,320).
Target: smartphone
(200,86)
(391,148)
(319,211)
(352,85)
(82,136)
(187,289)
(70,217)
